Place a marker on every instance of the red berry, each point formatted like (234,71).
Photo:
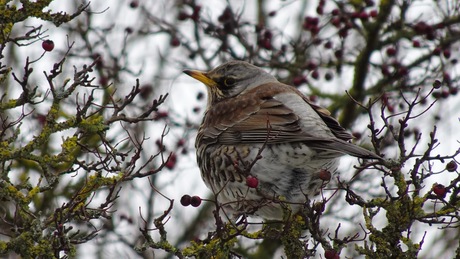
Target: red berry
(446,53)
(134,4)
(437,84)
(331,254)
(48,45)
(343,32)
(373,13)
(315,74)
(311,65)
(451,166)
(171,163)
(268,34)
(181,142)
(437,51)
(440,190)
(328,45)
(266,44)
(363,16)
(185,200)
(445,94)
(338,53)
(355,15)
(145,91)
(416,44)
(319,10)
(161,115)
(335,21)
(252,182)
(196,13)
(298,80)
(402,71)
(446,77)
(324,175)
(385,70)
(182,16)
(175,42)
(195,201)
(335,12)
(391,51)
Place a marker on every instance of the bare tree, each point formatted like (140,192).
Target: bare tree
(97,134)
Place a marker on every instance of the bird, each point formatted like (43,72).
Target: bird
(262,145)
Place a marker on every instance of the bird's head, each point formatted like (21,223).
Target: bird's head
(230,79)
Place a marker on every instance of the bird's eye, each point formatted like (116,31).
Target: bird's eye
(229,81)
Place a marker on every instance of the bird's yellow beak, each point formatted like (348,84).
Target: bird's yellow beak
(200,76)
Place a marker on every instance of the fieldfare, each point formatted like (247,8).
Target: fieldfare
(262,144)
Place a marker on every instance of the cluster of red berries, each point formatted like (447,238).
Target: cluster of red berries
(265,40)
(311,24)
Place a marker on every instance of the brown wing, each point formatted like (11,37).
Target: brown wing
(270,114)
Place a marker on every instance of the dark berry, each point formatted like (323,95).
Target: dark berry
(175,42)
(171,162)
(363,16)
(391,51)
(298,80)
(440,190)
(328,45)
(437,84)
(181,142)
(437,51)
(451,166)
(446,53)
(145,91)
(373,13)
(324,175)
(315,74)
(161,115)
(48,45)
(311,65)
(331,254)
(335,21)
(416,44)
(182,16)
(185,200)
(195,201)
(134,4)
